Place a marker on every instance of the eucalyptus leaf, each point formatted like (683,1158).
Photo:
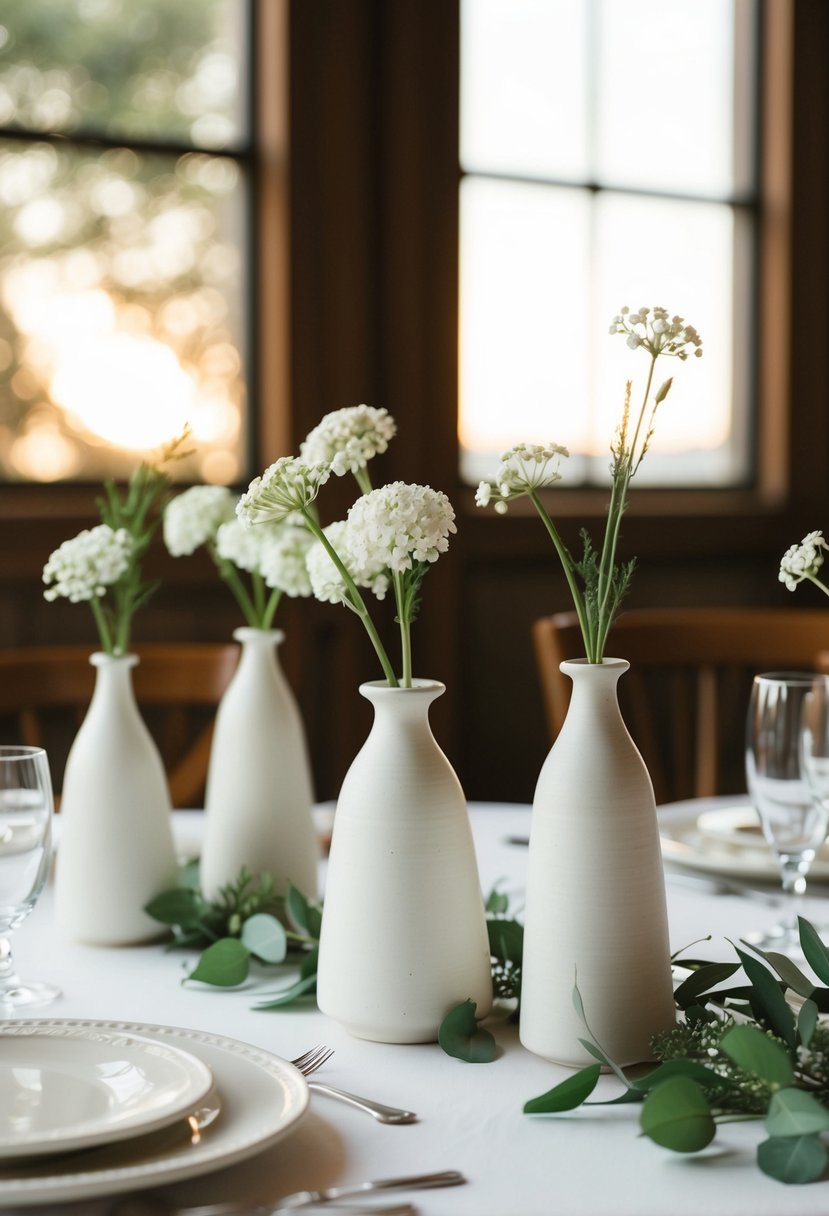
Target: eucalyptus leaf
(682,1068)
(506,940)
(460,1036)
(303,987)
(816,953)
(567,1095)
(496,903)
(181,906)
(759,1055)
(265,937)
(676,1115)
(793,1112)
(769,1001)
(701,980)
(807,1021)
(224,964)
(306,916)
(310,963)
(792,1158)
(789,972)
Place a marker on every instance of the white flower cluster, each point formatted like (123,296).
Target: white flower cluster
(803,560)
(193,518)
(399,524)
(327,582)
(657,332)
(83,567)
(347,439)
(275,551)
(288,485)
(526,467)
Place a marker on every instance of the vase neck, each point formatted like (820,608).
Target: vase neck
(262,639)
(410,704)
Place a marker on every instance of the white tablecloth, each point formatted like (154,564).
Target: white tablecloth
(590,1163)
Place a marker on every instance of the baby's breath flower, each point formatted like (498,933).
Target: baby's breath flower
(283,560)
(327,582)
(659,334)
(803,561)
(193,518)
(288,485)
(399,524)
(347,439)
(84,566)
(523,469)
(241,545)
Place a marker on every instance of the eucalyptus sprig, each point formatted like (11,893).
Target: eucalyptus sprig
(739,1053)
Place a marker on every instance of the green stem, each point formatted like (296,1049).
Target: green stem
(258,584)
(402,601)
(357,601)
(817,583)
(101,623)
(642,411)
(363,479)
(567,566)
(271,607)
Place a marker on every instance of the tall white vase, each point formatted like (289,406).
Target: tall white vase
(595,912)
(404,935)
(115,850)
(259,790)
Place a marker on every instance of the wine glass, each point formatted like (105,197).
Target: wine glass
(25,850)
(794,819)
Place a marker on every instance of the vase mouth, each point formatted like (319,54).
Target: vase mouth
(247,633)
(372,688)
(101,658)
(609,664)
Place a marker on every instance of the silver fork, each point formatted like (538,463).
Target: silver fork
(310,1061)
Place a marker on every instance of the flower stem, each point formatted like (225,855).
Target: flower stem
(363,479)
(567,564)
(101,623)
(357,601)
(405,623)
(230,575)
(270,608)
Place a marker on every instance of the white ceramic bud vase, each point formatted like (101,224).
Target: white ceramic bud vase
(595,912)
(404,936)
(115,851)
(259,789)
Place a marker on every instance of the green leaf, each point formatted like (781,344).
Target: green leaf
(789,972)
(303,987)
(265,937)
(807,1021)
(181,906)
(792,1158)
(768,999)
(676,1115)
(759,1055)
(700,981)
(189,874)
(496,902)
(793,1112)
(567,1095)
(682,1068)
(306,916)
(310,964)
(506,940)
(225,964)
(460,1036)
(816,953)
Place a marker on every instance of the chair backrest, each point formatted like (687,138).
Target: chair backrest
(686,694)
(45,690)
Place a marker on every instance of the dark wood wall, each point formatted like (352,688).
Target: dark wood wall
(372,300)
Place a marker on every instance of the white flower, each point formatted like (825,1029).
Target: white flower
(399,524)
(240,545)
(284,556)
(288,485)
(347,439)
(660,334)
(193,518)
(803,560)
(326,581)
(83,567)
(524,468)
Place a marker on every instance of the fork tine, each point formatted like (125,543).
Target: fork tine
(311,1060)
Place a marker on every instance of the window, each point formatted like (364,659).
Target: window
(607,158)
(124,196)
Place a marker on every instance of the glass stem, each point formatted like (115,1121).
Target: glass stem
(794,886)
(8,978)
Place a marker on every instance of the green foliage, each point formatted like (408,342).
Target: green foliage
(462,1037)
(735,1053)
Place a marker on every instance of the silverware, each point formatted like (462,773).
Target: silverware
(305,1199)
(715,885)
(310,1061)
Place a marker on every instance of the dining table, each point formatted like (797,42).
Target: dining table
(590,1162)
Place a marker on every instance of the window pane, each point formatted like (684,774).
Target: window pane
(128,69)
(122,293)
(665,96)
(523,87)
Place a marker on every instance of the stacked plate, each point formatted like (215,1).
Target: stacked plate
(98,1108)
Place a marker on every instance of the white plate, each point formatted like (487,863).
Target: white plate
(262,1098)
(715,837)
(65,1087)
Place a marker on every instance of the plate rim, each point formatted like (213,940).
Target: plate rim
(67,1139)
(221,1148)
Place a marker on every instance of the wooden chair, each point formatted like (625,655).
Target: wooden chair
(686,694)
(45,690)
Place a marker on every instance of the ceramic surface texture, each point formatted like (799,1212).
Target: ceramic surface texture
(116,844)
(259,790)
(595,910)
(403,936)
